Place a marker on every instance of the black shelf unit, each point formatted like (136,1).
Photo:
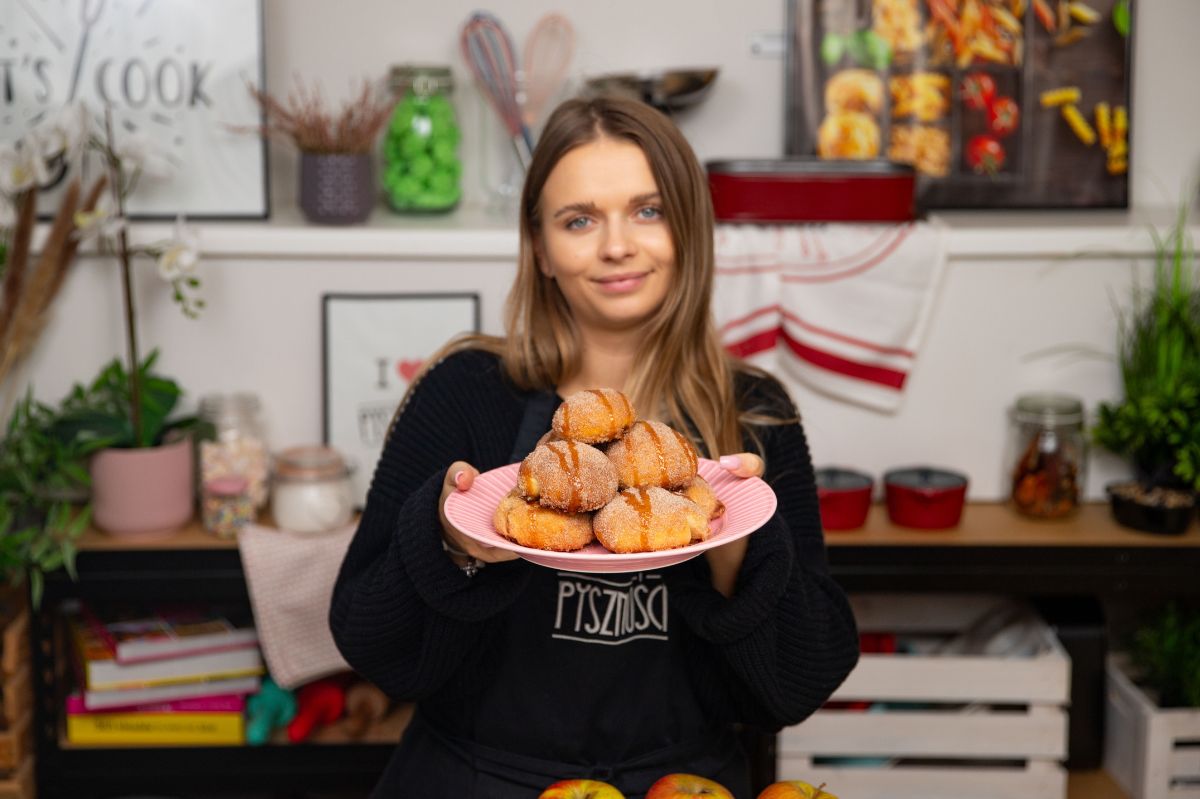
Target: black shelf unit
(98,773)
(1067,582)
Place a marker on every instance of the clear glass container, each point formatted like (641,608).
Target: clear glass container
(234,442)
(312,491)
(1048,455)
(226,506)
(422,171)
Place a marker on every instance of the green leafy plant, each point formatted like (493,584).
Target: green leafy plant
(43,493)
(99,415)
(1167,650)
(1157,424)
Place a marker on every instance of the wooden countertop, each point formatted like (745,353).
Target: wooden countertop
(997,524)
(983,524)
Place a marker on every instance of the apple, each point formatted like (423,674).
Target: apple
(581,789)
(795,789)
(687,786)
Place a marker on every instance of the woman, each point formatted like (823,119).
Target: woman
(520,675)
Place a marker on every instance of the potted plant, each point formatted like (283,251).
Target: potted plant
(1156,425)
(1166,653)
(44,487)
(141,473)
(1153,704)
(337,172)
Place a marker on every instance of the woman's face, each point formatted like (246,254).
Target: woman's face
(604,238)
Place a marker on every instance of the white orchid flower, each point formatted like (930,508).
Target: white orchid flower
(63,134)
(99,223)
(20,168)
(139,153)
(181,256)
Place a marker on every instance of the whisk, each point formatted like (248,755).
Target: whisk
(488,51)
(548,50)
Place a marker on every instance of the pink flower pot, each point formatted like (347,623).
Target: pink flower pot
(143,493)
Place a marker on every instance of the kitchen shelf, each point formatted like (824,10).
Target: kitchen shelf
(996,549)
(993,550)
(478,233)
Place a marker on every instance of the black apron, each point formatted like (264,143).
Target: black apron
(591,675)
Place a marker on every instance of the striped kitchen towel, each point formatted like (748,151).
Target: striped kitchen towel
(844,308)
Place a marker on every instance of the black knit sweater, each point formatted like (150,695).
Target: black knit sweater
(407,618)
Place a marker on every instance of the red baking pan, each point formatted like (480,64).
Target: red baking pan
(811,190)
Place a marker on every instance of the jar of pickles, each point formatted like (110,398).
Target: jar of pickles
(1048,455)
(422,172)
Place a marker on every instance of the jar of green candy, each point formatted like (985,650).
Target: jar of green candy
(422,172)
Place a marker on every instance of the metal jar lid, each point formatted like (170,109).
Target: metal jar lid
(423,79)
(1048,409)
(310,464)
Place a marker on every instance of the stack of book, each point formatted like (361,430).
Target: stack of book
(169,677)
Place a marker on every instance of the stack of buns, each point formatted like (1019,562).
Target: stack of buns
(603,474)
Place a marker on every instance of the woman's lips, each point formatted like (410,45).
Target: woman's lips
(622,283)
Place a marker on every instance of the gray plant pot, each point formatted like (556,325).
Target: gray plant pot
(337,189)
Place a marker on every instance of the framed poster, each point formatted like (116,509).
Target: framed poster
(373,347)
(996,103)
(175,75)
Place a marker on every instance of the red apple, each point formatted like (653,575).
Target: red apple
(687,786)
(795,789)
(581,789)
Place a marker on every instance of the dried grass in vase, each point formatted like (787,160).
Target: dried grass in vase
(305,119)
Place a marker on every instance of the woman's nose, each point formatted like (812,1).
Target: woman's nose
(618,243)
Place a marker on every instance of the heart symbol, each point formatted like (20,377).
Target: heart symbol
(408,369)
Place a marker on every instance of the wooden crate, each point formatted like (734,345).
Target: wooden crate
(1151,752)
(19,784)
(16,741)
(981,725)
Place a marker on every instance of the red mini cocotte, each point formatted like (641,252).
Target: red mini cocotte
(845,497)
(925,497)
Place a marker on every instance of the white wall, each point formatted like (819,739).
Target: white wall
(261,331)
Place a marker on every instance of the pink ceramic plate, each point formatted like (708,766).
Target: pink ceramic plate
(749,503)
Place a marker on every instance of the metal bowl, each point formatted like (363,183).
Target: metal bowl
(667,90)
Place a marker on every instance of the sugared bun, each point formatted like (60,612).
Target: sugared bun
(653,454)
(531,525)
(568,476)
(699,491)
(648,520)
(594,416)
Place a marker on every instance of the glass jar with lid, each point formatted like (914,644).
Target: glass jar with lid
(233,442)
(226,506)
(1048,455)
(312,491)
(422,172)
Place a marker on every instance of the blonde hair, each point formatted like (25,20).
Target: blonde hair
(681,374)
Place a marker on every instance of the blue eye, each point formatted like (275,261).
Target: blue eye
(650,212)
(577,223)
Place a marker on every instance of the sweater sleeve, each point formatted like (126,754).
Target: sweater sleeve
(402,614)
(786,637)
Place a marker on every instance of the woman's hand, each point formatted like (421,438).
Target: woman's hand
(459,477)
(743,464)
(726,561)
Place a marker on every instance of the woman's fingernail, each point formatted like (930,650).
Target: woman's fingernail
(730,461)
(458,478)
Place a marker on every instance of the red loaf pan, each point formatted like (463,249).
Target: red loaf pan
(845,497)
(924,497)
(811,190)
